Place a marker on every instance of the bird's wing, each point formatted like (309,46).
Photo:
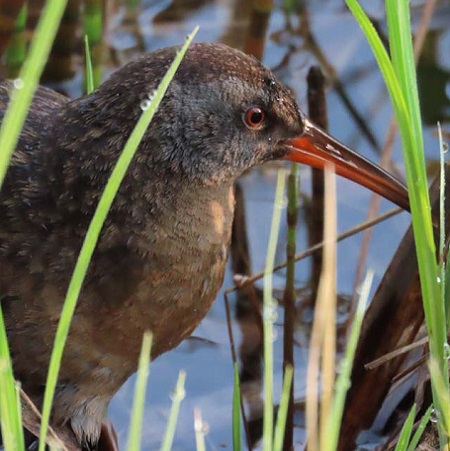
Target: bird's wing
(25,190)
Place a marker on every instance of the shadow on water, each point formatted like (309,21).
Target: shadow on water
(289,37)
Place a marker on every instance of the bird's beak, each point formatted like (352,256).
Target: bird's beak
(316,148)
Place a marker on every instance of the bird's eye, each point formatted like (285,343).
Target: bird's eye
(255,118)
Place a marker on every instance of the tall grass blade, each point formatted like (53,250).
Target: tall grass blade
(28,79)
(89,74)
(289,295)
(323,335)
(443,149)
(405,433)
(10,410)
(16,51)
(413,444)
(400,40)
(443,396)
(283,410)
(402,57)
(384,63)
(178,396)
(343,381)
(236,411)
(269,313)
(441,211)
(93,234)
(199,428)
(137,413)
(93,29)
(326,300)
(132,4)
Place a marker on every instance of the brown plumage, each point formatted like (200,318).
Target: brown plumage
(161,256)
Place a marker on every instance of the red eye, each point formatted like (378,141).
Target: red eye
(255,117)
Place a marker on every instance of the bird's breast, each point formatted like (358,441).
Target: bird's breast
(180,276)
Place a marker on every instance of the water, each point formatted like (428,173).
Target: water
(145,104)
(18,83)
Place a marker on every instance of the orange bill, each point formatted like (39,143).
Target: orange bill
(317,149)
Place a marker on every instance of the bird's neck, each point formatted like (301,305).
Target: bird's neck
(194,219)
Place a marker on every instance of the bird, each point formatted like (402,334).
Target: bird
(161,255)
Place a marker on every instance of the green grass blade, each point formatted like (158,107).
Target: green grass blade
(236,411)
(413,444)
(269,312)
(132,4)
(343,381)
(93,29)
(443,149)
(28,80)
(400,38)
(442,237)
(283,410)
(289,294)
(441,205)
(16,51)
(89,74)
(10,411)
(134,439)
(443,396)
(384,63)
(178,396)
(415,171)
(93,20)
(93,234)
(402,56)
(405,433)
(447,291)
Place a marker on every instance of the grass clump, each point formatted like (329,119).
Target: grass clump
(399,74)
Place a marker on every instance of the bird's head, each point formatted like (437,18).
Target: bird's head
(224,113)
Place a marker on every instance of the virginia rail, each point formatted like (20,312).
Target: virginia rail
(161,257)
